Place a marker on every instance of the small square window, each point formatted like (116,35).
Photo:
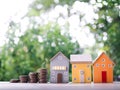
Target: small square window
(81,72)
(109,65)
(53,73)
(53,78)
(66,78)
(74,66)
(74,78)
(97,65)
(88,65)
(103,60)
(103,65)
(65,73)
(88,78)
(59,57)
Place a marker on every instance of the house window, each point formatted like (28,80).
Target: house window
(66,78)
(59,57)
(109,65)
(53,68)
(53,78)
(88,78)
(81,72)
(63,68)
(59,68)
(103,65)
(88,65)
(65,73)
(74,78)
(53,73)
(97,65)
(103,60)
(74,66)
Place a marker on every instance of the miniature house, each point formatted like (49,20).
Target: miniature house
(103,69)
(81,68)
(59,69)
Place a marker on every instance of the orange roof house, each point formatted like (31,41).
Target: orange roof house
(81,68)
(103,69)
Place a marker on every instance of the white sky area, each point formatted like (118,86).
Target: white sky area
(11,10)
(15,9)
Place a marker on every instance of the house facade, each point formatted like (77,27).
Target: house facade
(103,69)
(59,69)
(81,68)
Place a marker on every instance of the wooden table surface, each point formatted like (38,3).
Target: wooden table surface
(49,86)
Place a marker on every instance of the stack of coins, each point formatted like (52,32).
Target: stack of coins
(23,78)
(14,80)
(33,77)
(42,76)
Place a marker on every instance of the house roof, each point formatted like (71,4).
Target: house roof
(103,53)
(80,58)
(59,54)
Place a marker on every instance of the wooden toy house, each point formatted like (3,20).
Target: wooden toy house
(59,69)
(103,69)
(81,68)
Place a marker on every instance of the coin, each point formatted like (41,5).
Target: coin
(23,78)
(14,80)
(33,78)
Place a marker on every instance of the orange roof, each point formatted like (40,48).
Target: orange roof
(100,56)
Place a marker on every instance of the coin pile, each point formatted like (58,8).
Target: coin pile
(14,80)
(23,78)
(33,77)
(42,76)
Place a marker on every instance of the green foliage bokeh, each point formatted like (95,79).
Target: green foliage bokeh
(34,50)
(41,41)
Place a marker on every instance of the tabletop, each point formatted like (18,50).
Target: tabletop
(50,86)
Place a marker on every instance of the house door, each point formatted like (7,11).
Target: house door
(59,78)
(81,76)
(104,76)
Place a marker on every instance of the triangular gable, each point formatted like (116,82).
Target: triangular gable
(103,53)
(57,55)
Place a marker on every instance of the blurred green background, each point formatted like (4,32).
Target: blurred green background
(44,37)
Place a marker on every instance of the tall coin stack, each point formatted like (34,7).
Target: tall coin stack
(23,78)
(42,76)
(33,77)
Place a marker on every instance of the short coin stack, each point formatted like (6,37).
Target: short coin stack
(33,77)
(14,80)
(42,76)
(23,78)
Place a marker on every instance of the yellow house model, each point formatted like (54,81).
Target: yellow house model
(81,68)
